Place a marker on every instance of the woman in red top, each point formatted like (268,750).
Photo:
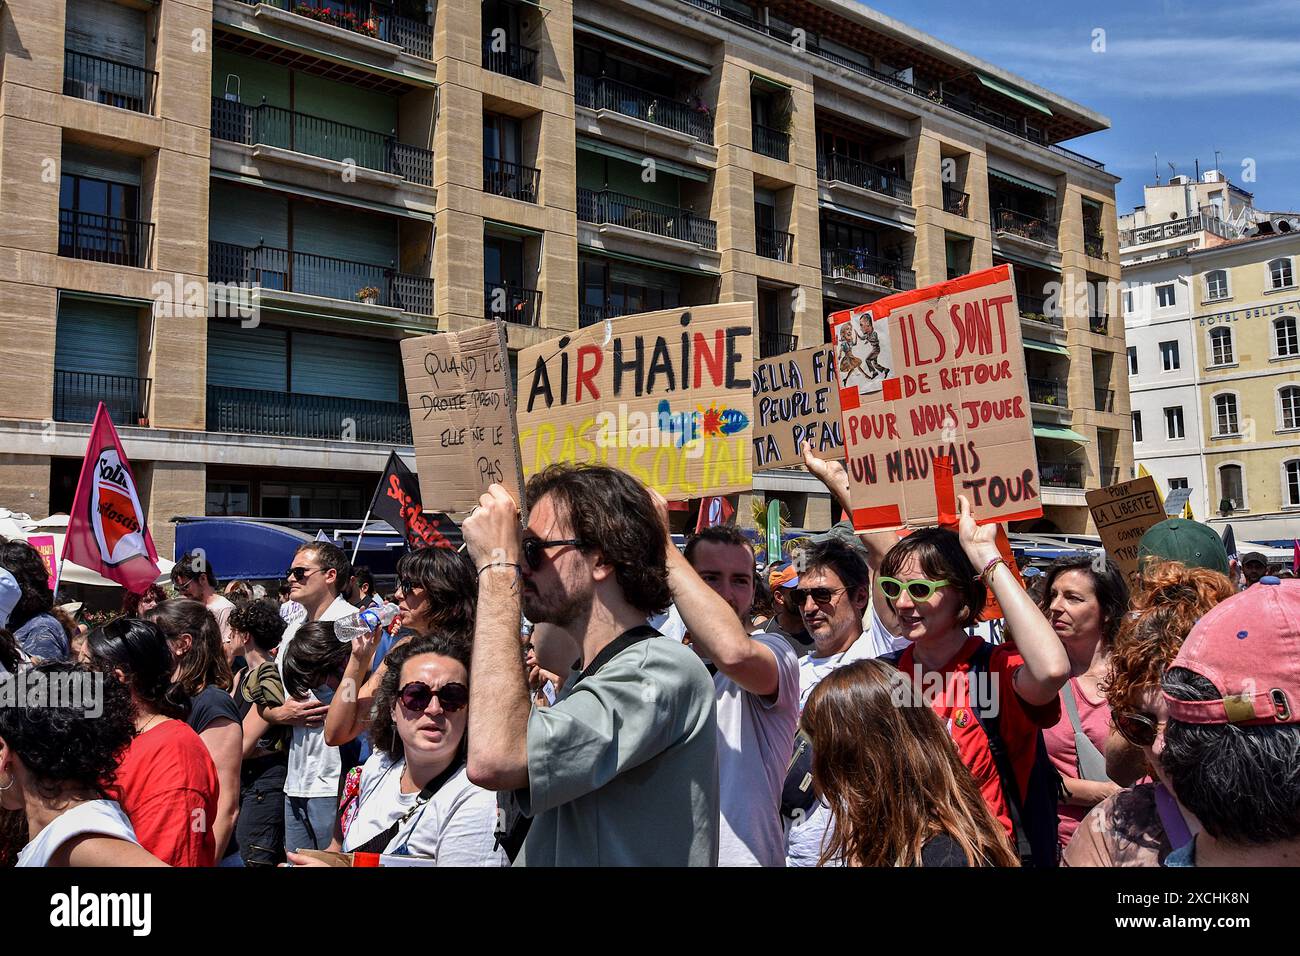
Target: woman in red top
(167,782)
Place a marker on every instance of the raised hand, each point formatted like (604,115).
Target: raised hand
(980,542)
(832,474)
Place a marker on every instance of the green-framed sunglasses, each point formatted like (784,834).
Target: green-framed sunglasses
(918,589)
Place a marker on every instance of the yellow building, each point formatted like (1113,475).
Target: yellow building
(1246,320)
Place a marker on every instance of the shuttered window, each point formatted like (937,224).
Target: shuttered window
(106,29)
(95,337)
(349,368)
(254,358)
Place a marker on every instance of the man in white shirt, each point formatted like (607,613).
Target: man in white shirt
(756,687)
(194,578)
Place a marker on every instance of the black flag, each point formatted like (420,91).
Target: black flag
(397,501)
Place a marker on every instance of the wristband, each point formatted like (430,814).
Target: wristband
(988,569)
(502,564)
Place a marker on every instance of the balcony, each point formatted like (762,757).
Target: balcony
(955,201)
(1094,243)
(412,36)
(1103,399)
(772,142)
(1035,307)
(511,303)
(854,172)
(77,395)
(847,265)
(1201,222)
(513,60)
(774,244)
(247,411)
(109,82)
(593,315)
(1099,324)
(308,274)
(602,93)
(775,343)
(121,242)
(1060,474)
(509,179)
(266,125)
(1046,392)
(631,212)
(1024,226)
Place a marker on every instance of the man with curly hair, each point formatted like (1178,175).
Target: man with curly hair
(622,770)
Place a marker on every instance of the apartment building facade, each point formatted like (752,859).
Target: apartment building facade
(221,217)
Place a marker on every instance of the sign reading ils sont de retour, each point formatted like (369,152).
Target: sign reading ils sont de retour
(937,373)
(665,396)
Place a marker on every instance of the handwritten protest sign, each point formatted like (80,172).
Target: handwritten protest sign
(935,373)
(796,400)
(1123,514)
(665,396)
(462,416)
(44,545)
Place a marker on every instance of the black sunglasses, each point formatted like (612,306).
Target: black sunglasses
(417,694)
(300,574)
(406,585)
(1139,729)
(820,595)
(534,549)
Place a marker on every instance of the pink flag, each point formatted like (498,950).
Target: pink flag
(107,531)
(1295,555)
(714,510)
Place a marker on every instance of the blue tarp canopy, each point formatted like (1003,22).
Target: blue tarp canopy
(241,549)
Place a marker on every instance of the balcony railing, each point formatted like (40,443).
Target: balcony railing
(1046,392)
(122,242)
(1104,399)
(77,395)
(955,201)
(602,93)
(1035,307)
(1025,226)
(1201,222)
(772,142)
(850,266)
(1060,474)
(511,303)
(854,172)
(511,60)
(363,18)
(1094,243)
(774,244)
(1099,324)
(268,125)
(592,315)
(632,212)
(511,180)
(310,274)
(775,343)
(117,84)
(248,411)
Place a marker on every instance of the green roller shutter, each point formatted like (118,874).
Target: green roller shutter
(355,237)
(97,337)
(106,29)
(247,217)
(254,358)
(344,103)
(344,367)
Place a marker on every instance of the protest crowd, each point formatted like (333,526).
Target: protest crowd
(579,691)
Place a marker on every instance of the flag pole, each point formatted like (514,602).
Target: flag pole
(361,533)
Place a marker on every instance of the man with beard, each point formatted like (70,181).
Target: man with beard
(622,770)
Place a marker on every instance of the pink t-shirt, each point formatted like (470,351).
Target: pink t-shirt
(1095,717)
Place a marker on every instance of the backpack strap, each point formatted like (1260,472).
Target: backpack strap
(990,723)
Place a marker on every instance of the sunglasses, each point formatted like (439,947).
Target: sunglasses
(918,589)
(820,595)
(300,574)
(417,695)
(406,585)
(535,548)
(1139,729)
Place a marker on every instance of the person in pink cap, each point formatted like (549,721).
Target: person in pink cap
(1232,741)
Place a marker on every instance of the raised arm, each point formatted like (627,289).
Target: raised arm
(498,695)
(350,707)
(1047,667)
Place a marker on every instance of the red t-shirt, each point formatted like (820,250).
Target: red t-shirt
(167,785)
(1018,721)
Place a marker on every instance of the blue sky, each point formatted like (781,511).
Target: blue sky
(1180,78)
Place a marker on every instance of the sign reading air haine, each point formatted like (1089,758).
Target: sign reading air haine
(935,373)
(665,396)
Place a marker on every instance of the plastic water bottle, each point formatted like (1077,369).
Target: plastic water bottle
(349,628)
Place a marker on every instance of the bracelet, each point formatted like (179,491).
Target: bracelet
(502,564)
(988,569)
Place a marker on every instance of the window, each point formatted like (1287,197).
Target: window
(1231,492)
(1132,360)
(1169,356)
(1291,483)
(1128,303)
(1137,426)
(1280,275)
(1225,415)
(1216,284)
(1221,347)
(1176,483)
(1290,411)
(1165,296)
(1174,423)
(1284,337)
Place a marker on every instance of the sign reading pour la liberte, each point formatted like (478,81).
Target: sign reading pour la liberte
(931,374)
(664,396)
(796,400)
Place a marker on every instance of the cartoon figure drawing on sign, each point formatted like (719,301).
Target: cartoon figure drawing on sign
(849,364)
(872,339)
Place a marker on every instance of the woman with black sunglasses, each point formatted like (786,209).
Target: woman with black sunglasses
(415,798)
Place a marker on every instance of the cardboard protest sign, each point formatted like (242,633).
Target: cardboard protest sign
(932,374)
(1177,501)
(1123,514)
(44,545)
(462,416)
(665,396)
(796,399)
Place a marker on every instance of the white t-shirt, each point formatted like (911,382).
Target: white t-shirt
(220,608)
(101,817)
(314,766)
(755,740)
(669,624)
(455,827)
